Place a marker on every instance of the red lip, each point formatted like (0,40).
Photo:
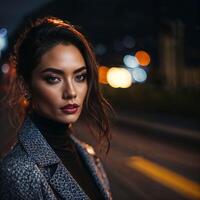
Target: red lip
(70,108)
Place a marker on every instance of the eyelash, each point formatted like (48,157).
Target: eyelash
(84,75)
(50,77)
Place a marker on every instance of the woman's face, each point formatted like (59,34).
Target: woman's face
(59,84)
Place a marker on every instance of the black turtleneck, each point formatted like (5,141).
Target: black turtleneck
(58,137)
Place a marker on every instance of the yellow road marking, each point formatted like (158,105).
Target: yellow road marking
(166,177)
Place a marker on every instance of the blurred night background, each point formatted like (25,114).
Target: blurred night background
(148,53)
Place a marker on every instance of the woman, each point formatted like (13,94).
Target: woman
(54,83)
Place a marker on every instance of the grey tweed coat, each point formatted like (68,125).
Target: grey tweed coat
(32,170)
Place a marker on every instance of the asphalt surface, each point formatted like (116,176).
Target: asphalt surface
(165,158)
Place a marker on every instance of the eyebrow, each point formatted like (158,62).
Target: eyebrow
(58,71)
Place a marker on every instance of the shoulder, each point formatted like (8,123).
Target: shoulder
(85,148)
(101,173)
(95,161)
(18,174)
(15,159)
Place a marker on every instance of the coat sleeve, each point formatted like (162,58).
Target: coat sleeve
(20,179)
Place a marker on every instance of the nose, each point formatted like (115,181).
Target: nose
(69,91)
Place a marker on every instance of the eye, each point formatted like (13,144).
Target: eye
(81,77)
(52,79)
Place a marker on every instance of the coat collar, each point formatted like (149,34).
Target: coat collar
(32,140)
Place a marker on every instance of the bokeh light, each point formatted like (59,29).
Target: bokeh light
(126,79)
(103,74)
(119,77)
(143,58)
(3,39)
(139,75)
(3,43)
(130,61)
(113,76)
(5,68)
(3,32)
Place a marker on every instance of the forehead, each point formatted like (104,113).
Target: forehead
(63,57)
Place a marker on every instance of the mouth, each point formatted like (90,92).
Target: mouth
(70,108)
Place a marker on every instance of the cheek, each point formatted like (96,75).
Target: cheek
(47,95)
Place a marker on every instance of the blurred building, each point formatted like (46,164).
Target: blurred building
(176,71)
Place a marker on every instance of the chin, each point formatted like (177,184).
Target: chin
(70,119)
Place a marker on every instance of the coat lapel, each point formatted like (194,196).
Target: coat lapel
(62,181)
(32,141)
(37,147)
(65,185)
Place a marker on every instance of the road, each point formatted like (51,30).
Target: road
(142,165)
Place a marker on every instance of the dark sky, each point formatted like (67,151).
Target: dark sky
(109,21)
(12,11)
(118,16)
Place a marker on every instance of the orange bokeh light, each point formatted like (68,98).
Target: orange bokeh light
(143,58)
(102,74)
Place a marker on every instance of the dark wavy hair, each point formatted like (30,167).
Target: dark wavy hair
(37,38)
